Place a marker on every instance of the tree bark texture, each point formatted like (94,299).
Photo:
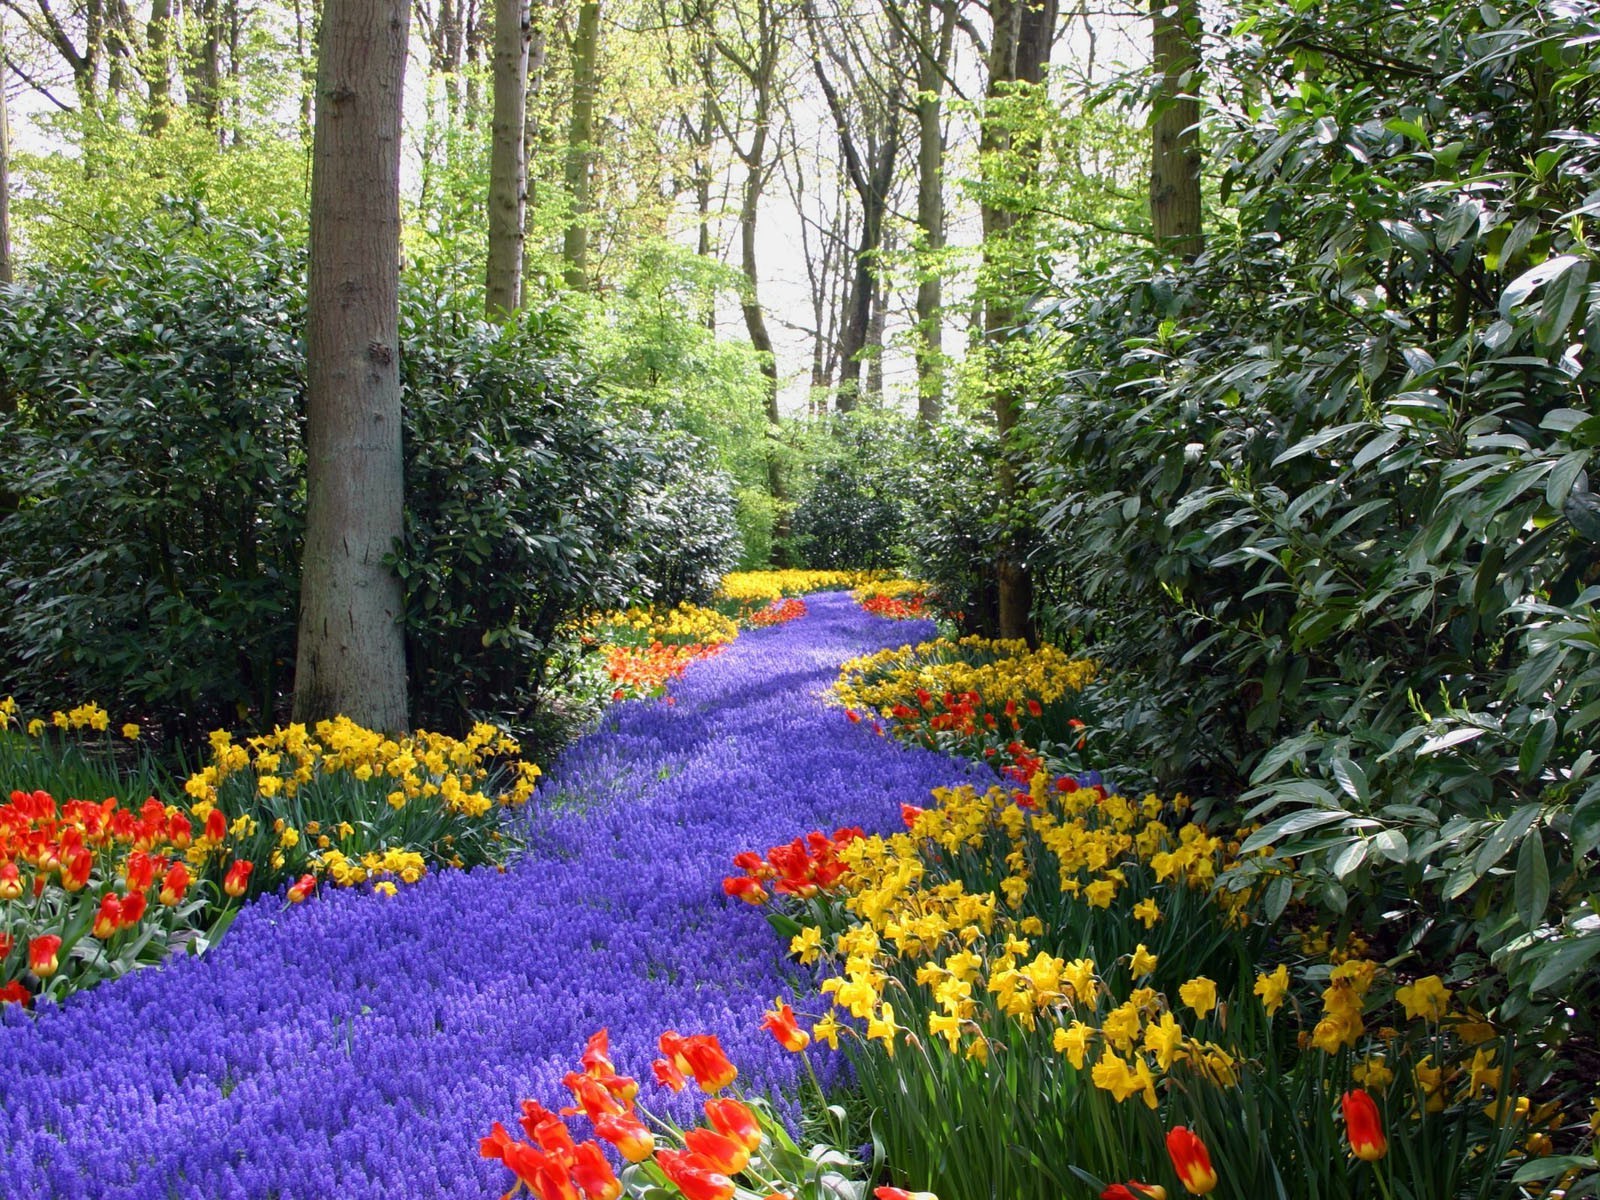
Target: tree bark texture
(7,271)
(508,168)
(351,655)
(934,49)
(580,144)
(1175,141)
(1023,33)
(158,65)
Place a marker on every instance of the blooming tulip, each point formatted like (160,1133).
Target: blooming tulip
(592,1173)
(780,1021)
(694,1176)
(109,919)
(42,959)
(1192,1161)
(1363,1126)
(734,1119)
(1134,1190)
(238,877)
(627,1133)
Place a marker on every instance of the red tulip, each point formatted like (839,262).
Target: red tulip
(1363,1126)
(780,1021)
(10,882)
(1192,1161)
(728,1156)
(238,877)
(1134,1190)
(707,1062)
(133,909)
(668,1075)
(694,1176)
(109,919)
(593,1173)
(216,825)
(15,993)
(302,888)
(627,1133)
(42,959)
(734,1119)
(174,885)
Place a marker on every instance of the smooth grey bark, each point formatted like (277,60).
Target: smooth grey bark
(351,654)
(508,168)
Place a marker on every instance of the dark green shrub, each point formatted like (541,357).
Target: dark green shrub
(1320,499)
(951,510)
(850,516)
(154,448)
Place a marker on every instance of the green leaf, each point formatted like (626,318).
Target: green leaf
(1533,881)
(1564,963)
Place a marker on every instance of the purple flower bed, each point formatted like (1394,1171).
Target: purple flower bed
(358,1046)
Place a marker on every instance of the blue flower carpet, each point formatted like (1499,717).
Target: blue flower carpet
(358,1046)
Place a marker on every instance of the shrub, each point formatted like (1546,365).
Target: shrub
(850,516)
(1321,496)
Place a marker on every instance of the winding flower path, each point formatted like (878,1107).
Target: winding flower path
(357,1046)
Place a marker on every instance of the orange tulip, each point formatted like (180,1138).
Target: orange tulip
(1192,1161)
(10,882)
(627,1133)
(707,1062)
(42,959)
(1363,1126)
(238,877)
(726,1155)
(734,1119)
(109,919)
(174,885)
(592,1173)
(1134,1190)
(301,888)
(216,825)
(780,1021)
(694,1176)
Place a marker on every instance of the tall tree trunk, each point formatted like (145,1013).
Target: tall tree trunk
(877,326)
(755,323)
(305,45)
(7,271)
(532,130)
(1175,142)
(580,144)
(351,655)
(158,65)
(508,169)
(934,50)
(1023,33)
(203,61)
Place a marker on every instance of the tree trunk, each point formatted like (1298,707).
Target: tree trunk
(755,323)
(203,62)
(7,271)
(1023,33)
(532,132)
(158,65)
(1175,115)
(351,654)
(508,169)
(933,63)
(580,144)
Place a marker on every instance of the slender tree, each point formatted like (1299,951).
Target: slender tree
(1175,117)
(1024,31)
(6,269)
(580,143)
(508,168)
(935,28)
(351,655)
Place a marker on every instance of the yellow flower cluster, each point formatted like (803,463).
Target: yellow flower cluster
(391,863)
(889,589)
(86,716)
(761,587)
(686,624)
(427,766)
(997,670)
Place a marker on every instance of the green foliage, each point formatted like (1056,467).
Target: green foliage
(156,450)
(850,515)
(119,178)
(153,555)
(1324,495)
(950,511)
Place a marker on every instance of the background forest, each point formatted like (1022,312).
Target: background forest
(1248,348)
